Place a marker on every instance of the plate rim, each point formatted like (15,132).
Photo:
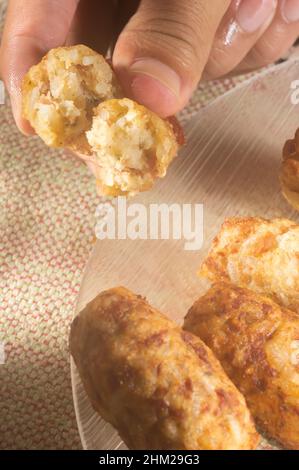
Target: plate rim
(73,368)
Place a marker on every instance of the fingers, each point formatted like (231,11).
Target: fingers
(93,24)
(126,9)
(253,33)
(32,27)
(279,37)
(161,53)
(243,25)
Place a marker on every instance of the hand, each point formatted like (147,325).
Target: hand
(161,48)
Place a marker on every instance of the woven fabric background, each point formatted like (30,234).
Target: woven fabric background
(47,221)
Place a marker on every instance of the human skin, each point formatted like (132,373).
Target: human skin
(161,49)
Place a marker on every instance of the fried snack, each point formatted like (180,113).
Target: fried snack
(159,386)
(260,254)
(289,175)
(61,92)
(257,343)
(131,146)
(72,99)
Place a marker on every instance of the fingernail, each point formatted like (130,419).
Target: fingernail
(158,71)
(155,85)
(290,10)
(254,14)
(23,125)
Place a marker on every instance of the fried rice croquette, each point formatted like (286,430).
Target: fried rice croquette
(289,175)
(260,254)
(159,386)
(72,100)
(132,146)
(257,343)
(61,92)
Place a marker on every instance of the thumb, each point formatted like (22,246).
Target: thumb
(160,55)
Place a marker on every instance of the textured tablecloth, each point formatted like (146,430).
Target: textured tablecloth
(47,221)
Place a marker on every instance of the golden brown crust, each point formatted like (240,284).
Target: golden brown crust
(257,343)
(72,99)
(289,174)
(260,254)
(160,387)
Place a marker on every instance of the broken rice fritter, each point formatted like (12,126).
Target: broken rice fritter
(260,254)
(72,99)
(61,92)
(132,146)
(159,386)
(257,343)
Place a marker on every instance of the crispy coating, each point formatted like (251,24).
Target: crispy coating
(72,99)
(260,254)
(257,343)
(61,92)
(159,386)
(131,147)
(289,175)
